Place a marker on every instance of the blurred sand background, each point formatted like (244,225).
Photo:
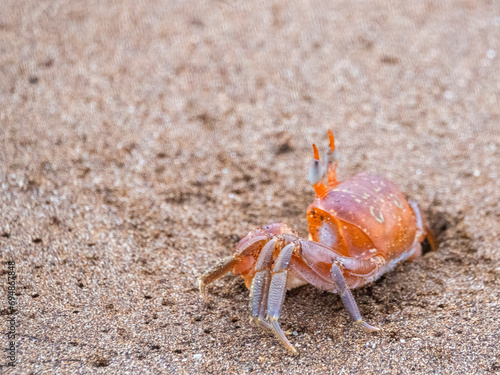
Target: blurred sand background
(140,140)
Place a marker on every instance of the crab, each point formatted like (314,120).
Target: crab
(359,229)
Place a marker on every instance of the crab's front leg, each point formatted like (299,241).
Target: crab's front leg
(247,247)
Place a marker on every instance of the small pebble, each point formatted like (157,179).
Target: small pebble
(295,333)
(197,356)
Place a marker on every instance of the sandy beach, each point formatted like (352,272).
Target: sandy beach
(141,140)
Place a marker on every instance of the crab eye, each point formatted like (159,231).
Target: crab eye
(315,172)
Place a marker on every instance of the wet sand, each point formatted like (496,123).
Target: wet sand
(139,141)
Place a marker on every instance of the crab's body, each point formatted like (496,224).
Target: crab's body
(359,229)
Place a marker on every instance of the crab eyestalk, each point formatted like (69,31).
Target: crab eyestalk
(332,157)
(316,174)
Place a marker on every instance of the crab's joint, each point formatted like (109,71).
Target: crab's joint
(261,323)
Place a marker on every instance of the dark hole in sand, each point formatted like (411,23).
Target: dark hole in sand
(101,362)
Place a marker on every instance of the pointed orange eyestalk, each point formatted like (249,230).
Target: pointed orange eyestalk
(332,162)
(316,153)
(332,140)
(318,186)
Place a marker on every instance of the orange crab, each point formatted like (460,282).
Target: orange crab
(359,229)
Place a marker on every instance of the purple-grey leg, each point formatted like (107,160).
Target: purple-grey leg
(221,268)
(348,299)
(260,284)
(277,291)
(418,217)
(425,232)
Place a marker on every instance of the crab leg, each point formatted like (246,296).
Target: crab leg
(227,264)
(220,269)
(422,227)
(277,291)
(348,299)
(260,284)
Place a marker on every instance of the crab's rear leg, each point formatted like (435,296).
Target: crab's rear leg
(348,299)
(219,270)
(277,291)
(424,231)
(245,248)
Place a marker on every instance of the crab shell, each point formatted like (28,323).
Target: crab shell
(362,217)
